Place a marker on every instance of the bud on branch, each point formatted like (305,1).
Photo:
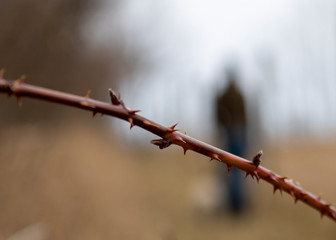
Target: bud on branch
(169,135)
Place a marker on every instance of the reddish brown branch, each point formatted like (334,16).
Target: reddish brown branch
(169,135)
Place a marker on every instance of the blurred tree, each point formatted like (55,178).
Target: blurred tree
(45,41)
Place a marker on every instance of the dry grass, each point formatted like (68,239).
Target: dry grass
(75,182)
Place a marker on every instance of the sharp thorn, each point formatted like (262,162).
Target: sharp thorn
(19,100)
(248,173)
(215,156)
(130,120)
(115,100)
(172,128)
(21,78)
(2,73)
(255,173)
(132,112)
(282,178)
(180,139)
(291,192)
(148,124)
(88,93)
(94,114)
(185,132)
(228,168)
(275,188)
(185,150)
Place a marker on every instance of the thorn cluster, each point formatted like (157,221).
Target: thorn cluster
(257,158)
(162,143)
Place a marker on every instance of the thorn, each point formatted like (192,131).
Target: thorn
(19,100)
(185,132)
(228,168)
(215,156)
(94,114)
(253,174)
(130,120)
(257,158)
(282,179)
(172,128)
(180,139)
(115,100)
(88,94)
(256,175)
(276,188)
(291,192)
(2,73)
(185,150)
(113,96)
(132,112)
(248,173)
(162,143)
(21,79)
(148,124)
(325,209)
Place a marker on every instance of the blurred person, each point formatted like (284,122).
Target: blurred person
(232,124)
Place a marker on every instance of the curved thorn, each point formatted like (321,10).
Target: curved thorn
(185,150)
(130,120)
(94,114)
(228,168)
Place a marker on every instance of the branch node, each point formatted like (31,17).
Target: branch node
(257,158)
(162,143)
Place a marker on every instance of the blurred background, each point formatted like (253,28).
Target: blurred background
(65,175)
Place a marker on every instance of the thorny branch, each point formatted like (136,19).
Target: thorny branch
(169,135)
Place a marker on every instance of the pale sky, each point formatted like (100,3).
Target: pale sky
(285,51)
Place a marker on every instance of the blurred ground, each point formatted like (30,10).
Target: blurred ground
(77,182)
